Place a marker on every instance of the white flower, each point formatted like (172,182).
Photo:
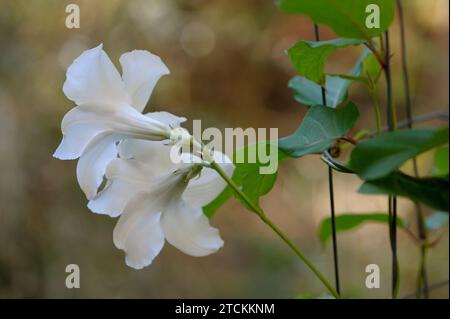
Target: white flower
(109,109)
(158,200)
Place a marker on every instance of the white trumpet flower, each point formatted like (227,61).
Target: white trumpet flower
(109,109)
(158,200)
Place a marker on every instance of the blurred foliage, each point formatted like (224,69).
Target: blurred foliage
(229,69)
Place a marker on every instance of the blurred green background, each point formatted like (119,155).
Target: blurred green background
(229,70)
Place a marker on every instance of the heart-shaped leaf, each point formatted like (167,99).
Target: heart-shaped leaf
(431,191)
(348,18)
(250,174)
(320,128)
(308,57)
(349,221)
(309,93)
(379,156)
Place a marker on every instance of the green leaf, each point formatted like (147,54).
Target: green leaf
(441,162)
(346,17)
(349,221)
(248,175)
(308,57)
(336,86)
(436,220)
(319,129)
(367,67)
(381,155)
(213,206)
(310,93)
(371,67)
(431,191)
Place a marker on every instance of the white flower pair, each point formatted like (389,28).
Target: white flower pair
(156,199)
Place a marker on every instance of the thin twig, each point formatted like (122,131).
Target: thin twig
(387,71)
(406,86)
(395,266)
(333,226)
(331,192)
(442,116)
(392,200)
(422,275)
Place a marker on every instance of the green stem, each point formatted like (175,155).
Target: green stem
(422,278)
(268,222)
(376,105)
(422,282)
(300,254)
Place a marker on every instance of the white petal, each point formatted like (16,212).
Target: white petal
(129,122)
(167,118)
(188,229)
(202,190)
(154,155)
(85,125)
(125,180)
(138,231)
(79,131)
(141,71)
(92,165)
(128,177)
(93,78)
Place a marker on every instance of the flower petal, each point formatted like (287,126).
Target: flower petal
(129,122)
(204,189)
(167,118)
(79,131)
(93,78)
(92,165)
(85,125)
(126,178)
(141,71)
(188,229)
(138,231)
(155,155)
